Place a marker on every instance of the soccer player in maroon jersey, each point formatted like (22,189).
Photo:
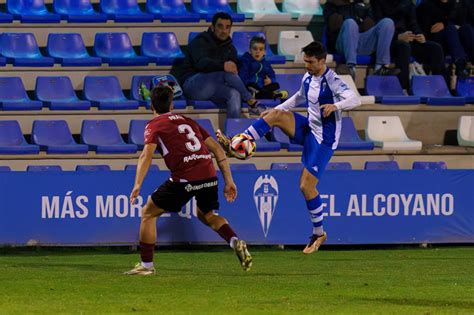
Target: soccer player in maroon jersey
(186,148)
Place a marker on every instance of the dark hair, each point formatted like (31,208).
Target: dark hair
(256,40)
(315,49)
(161,98)
(222,16)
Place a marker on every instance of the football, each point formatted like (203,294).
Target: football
(242,146)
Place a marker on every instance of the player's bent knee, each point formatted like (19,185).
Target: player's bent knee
(150,211)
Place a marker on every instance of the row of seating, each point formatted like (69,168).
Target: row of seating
(336,166)
(82,11)
(103,136)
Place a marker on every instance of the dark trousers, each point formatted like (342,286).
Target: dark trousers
(265,92)
(429,53)
(466,35)
(450,39)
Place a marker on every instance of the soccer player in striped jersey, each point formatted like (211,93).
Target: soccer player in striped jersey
(326,96)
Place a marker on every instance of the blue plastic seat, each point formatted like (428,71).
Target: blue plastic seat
(466,88)
(381,165)
(116,49)
(13,95)
(171,11)
(136,131)
(92,168)
(243,167)
(417,165)
(290,83)
(44,168)
(433,91)
(208,8)
(192,35)
(54,137)
(339,166)
(279,136)
(78,11)
(68,49)
(207,124)
(31,11)
(235,126)
(105,92)
(162,47)
(4,168)
(137,80)
(349,139)
(241,41)
(287,166)
(103,136)
(12,140)
(21,49)
(57,93)
(124,11)
(133,167)
(6,17)
(388,90)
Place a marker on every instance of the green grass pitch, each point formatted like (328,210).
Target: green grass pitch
(389,281)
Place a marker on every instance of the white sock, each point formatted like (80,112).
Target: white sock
(147,265)
(232,240)
(318,230)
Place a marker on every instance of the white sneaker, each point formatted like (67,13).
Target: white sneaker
(140,270)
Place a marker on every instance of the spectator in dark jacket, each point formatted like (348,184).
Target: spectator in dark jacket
(351,30)
(437,19)
(408,39)
(209,70)
(257,73)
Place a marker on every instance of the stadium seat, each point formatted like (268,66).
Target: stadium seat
(290,82)
(279,136)
(192,35)
(162,48)
(387,90)
(243,167)
(125,11)
(12,140)
(466,88)
(171,11)
(54,137)
(241,41)
(103,136)
(429,165)
(31,11)
(381,165)
(291,42)
(105,93)
(207,9)
(234,126)
(207,124)
(57,93)
(5,168)
(13,95)
(287,166)
(364,99)
(44,168)
(387,132)
(466,131)
(78,11)
(136,132)
(137,80)
(6,17)
(116,49)
(69,50)
(303,10)
(21,49)
(262,10)
(133,167)
(349,139)
(92,168)
(339,166)
(433,90)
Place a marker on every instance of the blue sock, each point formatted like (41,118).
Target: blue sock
(315,208)
(258,129)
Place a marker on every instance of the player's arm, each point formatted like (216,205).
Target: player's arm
(230,190)
(144,162)
(347,99)
(294,100)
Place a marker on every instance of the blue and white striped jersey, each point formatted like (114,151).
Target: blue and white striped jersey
(320,90)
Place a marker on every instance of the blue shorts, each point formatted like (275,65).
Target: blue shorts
(315,156)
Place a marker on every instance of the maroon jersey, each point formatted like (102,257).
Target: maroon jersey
(181,143)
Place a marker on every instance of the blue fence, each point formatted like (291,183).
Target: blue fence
(362,207)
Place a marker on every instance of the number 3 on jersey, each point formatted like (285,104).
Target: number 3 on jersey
(195,144)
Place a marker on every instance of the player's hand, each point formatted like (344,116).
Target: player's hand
(134,194)
(420,38)
(230,192)
(328,109)
(230,66)
(406,36)
(438,27)
(267,80)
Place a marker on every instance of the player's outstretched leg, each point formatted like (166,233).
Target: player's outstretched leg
(221,226)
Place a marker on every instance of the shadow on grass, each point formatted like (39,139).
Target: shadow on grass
(423,302)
